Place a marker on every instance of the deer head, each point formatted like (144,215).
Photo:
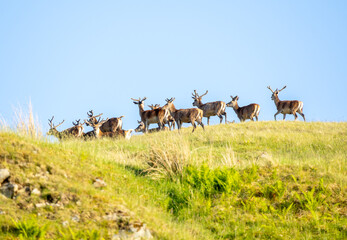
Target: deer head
(140,102)
(141,127)
(275,93)
(197,99)
(233,101)
(53,129)
(91,117)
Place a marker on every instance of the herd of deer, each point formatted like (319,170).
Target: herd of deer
(168,114)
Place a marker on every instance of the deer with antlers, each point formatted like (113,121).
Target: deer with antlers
(97,124)
(190,115)
(111,125)
(287,107)
(210,108)
(151,116)
(169,121)
(247,112)
(75,131)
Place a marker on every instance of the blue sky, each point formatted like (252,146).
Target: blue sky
(68,57)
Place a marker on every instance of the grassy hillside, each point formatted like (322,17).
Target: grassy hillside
(280,180)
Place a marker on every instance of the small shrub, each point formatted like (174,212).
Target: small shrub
(212,181)
(29,229)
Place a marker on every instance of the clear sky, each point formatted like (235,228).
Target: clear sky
(72,56)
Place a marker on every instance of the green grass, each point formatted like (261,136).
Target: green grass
(279,180)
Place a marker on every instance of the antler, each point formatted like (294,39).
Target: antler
(77,122)
(195,95)
(282,88)
(96,116)
(102,122)
(52,125)
(59,124)
(270,89)
(204,93)
(139,100)
(90,113)
(50,122)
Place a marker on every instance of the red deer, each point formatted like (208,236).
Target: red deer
(247,112)
(141,128)
(75,131)
(96,125)
(169,121)
(151,116)
(210,108)
(190,115)
(287,107)
(112,125)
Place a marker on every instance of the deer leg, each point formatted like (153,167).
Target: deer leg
(208,121)
(178,124)
(220,118)
(276,115)
(201,124)
(173,125)
(295,116)
(194,125)
(146,126)
(225,115)
(256,117)
(302,115)
(284,116)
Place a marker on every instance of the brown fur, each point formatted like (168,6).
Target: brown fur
(100,134)
(170,121)
(151,116)
(190,115)
(287,107)
(75,131)
(141,128)
(211,108)
(112,125)
(243,113)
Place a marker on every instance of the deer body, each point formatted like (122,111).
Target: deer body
(111,125)
(170,121)
(151,116)
(247,112)
(96,125)
(210,109)
(287,107)
(190,115)
(75,131)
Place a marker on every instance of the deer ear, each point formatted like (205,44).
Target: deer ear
(237,97)
(135,102)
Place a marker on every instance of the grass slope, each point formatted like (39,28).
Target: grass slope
(281,180)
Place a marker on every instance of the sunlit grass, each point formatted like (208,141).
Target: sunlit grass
(248,180)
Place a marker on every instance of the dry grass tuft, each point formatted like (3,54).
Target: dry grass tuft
(167,159)
(26,123)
